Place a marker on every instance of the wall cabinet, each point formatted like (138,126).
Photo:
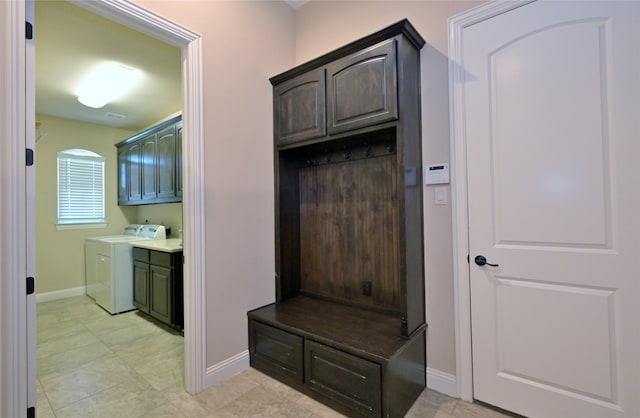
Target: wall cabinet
(301,107)
(157,285)
(363,88)
(356,91)
(348,326)
(148,165)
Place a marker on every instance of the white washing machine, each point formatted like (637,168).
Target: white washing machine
(109,266)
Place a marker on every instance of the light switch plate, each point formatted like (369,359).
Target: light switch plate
(441,197)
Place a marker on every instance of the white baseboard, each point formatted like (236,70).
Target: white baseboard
(227,368)
(442,382)
(61,294)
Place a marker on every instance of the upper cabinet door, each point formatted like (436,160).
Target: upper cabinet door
(123,176)
(362,88)
(166,162)
(149,189)
(134,170)
(179,159)
(300,108)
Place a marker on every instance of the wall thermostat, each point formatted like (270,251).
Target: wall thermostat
(436,174)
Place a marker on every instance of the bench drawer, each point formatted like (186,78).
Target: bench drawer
(276,352)
(342,380)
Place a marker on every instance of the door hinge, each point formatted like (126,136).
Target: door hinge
(31,412)
(29,31)
(467,258)
(31,285)
(29,157)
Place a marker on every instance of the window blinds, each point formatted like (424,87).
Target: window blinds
(80,188)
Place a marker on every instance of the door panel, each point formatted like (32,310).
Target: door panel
(557,146)
(544,310)
(551,148)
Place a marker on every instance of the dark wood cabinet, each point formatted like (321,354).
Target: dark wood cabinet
(300,105)
(349,237)
(158,284)
(363,88)
(148,165)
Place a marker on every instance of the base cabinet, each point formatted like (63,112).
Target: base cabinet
(357,376)
(157,285)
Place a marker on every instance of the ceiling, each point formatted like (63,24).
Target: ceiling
(71,40)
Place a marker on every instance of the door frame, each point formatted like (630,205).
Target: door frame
(459,202)
(13,218)
(193,205)
(16,212)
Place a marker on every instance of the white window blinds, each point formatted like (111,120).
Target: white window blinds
(80,187)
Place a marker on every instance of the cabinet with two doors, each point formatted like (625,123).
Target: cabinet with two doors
(157,285)
(150,165)
(348,325)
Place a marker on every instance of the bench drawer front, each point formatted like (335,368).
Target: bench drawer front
(342,380)
(276,352)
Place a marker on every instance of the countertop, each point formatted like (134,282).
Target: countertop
(170,245)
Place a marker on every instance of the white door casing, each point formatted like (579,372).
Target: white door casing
(17,342)
(30,205)
(140,19)
(543,99)
(13,259)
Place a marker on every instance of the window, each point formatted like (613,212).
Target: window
(80,187)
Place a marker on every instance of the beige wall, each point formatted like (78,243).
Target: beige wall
(244,43)
(167,214)
(322,26)
(60,254)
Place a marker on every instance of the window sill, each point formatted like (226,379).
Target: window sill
(93,225)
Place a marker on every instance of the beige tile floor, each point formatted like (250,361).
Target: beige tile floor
(92,364)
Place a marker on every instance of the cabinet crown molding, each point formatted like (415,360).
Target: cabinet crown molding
(403,27)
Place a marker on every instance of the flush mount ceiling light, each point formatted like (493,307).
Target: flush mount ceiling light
(105,83)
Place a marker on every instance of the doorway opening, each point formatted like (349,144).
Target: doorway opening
(193,209)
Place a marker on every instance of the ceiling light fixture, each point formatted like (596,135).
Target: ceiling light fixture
(105,83)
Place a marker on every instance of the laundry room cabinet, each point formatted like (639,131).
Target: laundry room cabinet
(348,325)
(150,165)
(157,285)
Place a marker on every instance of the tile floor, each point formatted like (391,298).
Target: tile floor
(92,364)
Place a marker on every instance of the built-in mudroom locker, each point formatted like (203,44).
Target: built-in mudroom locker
(348,326)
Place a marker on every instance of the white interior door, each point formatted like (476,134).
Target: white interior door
(553,148)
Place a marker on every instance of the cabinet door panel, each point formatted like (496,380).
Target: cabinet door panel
(166,159)
(179,159)
(141,286)
(134,184)
(362,88)
(300,108)
(123,176)
(343,380)
(149,168)
(161,294)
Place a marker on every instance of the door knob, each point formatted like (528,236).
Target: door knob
(481,261)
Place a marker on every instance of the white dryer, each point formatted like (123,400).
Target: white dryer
(109,266)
